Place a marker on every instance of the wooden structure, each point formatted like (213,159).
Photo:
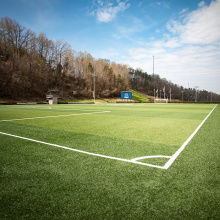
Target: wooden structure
(52,96)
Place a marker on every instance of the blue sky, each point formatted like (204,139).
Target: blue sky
(182,35)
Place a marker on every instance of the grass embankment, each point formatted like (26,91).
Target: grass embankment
(138,96)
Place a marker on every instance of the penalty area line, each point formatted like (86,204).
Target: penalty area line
(81,151)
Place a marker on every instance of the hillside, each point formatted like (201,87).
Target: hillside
(31,64)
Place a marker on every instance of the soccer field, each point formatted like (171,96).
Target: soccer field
(109,161)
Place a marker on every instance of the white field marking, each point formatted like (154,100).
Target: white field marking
(119,104)
(84,152)
(83,110)
(174,156)
(70,109)
(65,109)
(148,157)
(55,116)
(134,161)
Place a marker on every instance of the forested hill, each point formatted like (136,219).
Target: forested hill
(30,64)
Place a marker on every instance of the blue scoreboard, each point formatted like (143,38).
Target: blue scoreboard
(126,95)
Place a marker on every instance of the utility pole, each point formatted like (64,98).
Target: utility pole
(94,76)
(182,95)
(196,87)
(170,94)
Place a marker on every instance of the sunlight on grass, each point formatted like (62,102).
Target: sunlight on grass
(44,182)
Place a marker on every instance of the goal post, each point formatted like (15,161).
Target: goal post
(165,101)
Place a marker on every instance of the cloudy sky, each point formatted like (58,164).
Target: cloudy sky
(182,35)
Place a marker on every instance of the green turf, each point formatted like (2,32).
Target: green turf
(138,96)
(44,182)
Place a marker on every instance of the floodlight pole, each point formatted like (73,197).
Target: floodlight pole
(94,76)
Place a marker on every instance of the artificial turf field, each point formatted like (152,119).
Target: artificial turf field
(117,168)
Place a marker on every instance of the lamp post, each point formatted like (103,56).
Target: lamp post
(94,76)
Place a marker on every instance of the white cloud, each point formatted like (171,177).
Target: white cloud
(134,25)
(200,26)
(161,4)
(131,31)
(107,11)
(188,53)
(184,11)
(190,64)
(201,4)
(172,43)
(138,53)
(109,53)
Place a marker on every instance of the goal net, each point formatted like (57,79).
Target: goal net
(161,101)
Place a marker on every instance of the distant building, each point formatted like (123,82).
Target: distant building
(52,96)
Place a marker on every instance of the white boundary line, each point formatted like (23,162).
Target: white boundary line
(84,152)
(49,108)
(55,116)
(120,104)
(173,158)
(150,157)
(134,161)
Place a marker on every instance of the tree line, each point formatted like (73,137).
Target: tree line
(150,83)
(30,64)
